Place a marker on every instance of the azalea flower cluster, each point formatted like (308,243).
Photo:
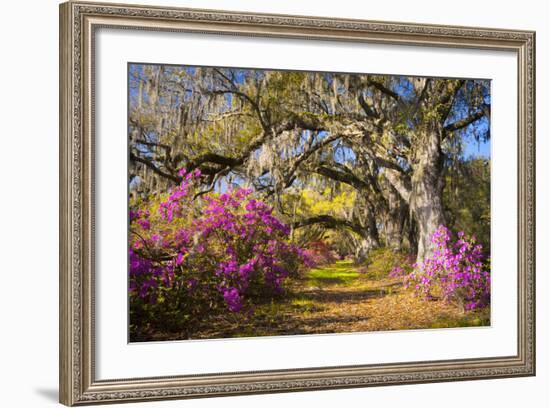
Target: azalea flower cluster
(319,253)
(397,272)
(192,254)
(454,271)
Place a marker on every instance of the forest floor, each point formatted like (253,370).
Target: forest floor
(342,298)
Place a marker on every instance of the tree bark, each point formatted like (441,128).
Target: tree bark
(427,188)
(412,234)
(372,228)
(395,219)
(362,250)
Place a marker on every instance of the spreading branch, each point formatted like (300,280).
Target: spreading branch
(485,110)
(377,85)
(343,177)
(154,168)
(400,182)
(329,221)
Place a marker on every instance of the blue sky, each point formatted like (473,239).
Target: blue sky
(474,148)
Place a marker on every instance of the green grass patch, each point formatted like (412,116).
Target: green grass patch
(305,306)
(382,260)
(340,273)
(302,302)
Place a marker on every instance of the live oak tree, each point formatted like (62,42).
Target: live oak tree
(391,139)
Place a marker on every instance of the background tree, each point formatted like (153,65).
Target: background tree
(397,142)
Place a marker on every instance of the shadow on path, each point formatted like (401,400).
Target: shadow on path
(341,296)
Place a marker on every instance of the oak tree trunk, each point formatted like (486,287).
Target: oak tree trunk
(372,228)
(427,189)
(395,220)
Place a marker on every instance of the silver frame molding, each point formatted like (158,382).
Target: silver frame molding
(78,22)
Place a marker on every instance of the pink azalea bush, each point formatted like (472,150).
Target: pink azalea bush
(454,271)
(319,253)
(192,256)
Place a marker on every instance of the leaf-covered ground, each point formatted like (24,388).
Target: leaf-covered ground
(337,299)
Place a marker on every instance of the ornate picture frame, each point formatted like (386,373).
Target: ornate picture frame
(78,24)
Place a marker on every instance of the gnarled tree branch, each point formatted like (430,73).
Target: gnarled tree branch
(330,222)
(485,110)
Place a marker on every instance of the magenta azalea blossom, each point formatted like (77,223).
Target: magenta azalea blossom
(232,249)
(454,270)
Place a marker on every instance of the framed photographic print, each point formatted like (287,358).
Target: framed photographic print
(256,203)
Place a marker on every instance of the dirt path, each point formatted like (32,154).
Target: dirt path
(341,298)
